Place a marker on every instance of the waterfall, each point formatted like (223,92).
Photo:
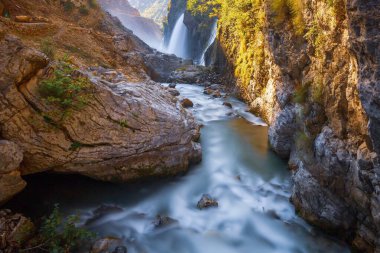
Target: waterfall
(179,38)
(211,40)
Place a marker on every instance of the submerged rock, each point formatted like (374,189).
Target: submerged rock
(102,211)
(125,131)
(163,221)
(227,104)
(206,202)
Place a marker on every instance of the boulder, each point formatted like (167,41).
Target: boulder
(186,103)
(206,202)
(15,230)
(126,131)
(172,85)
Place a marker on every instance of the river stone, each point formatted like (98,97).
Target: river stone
(174,92)
(126,131)
(206,202)
(227,104)
(163,221)
(186,103)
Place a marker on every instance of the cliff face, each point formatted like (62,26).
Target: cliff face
(145,28)
(153,9)
(311,70)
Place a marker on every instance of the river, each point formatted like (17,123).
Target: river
(251,184)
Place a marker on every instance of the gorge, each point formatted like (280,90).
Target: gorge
(252,124)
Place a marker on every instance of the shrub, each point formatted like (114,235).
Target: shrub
(68,6)
(60,235)
(83,10)
(65,89)
(47,47)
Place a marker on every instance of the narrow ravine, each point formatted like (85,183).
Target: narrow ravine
(251,184)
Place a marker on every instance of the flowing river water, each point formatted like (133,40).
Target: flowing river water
(251,184)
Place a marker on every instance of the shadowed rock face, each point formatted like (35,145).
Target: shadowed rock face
(125,132)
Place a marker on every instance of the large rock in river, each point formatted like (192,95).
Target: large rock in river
(126,131)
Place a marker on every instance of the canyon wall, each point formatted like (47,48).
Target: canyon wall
(311,70)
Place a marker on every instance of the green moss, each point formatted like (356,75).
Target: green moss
(289,9)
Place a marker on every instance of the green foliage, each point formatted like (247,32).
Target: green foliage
(65,89)
(68,5)
(123,123)
(61,235)
(75,146)
(285,9)
(83,10)
(47,47)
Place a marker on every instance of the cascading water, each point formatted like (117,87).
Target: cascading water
(178,40)
(211,40)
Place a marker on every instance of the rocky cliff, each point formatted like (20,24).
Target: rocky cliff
(311,70)
(153,9)
(145,28)
(62,112)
